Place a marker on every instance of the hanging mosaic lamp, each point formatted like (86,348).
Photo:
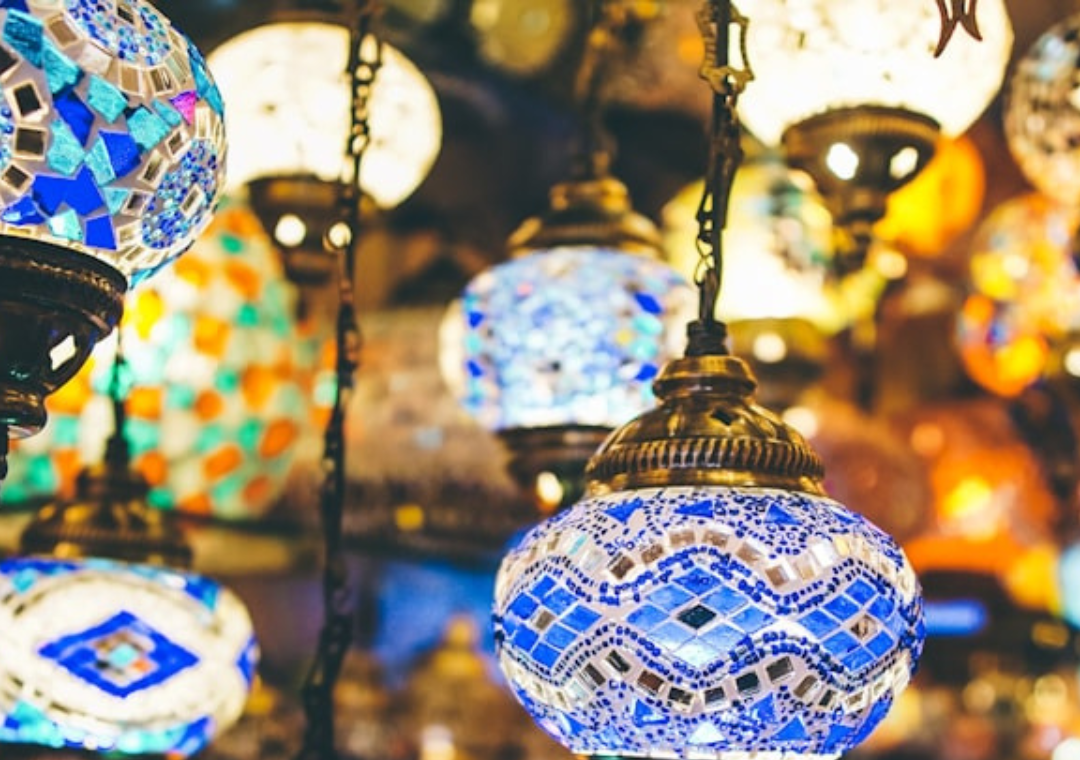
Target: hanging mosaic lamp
(111,159)
(1042,115)
(218,401)
(110,643)
(560,344)
(706,599)
(1025,293)
(855,95)
(289,107)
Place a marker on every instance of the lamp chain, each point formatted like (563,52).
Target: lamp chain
(365,59)
(957,13)
(611,19)
(716,19)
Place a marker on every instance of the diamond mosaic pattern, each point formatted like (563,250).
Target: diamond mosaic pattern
(128,639)
(708,602)
(111,135)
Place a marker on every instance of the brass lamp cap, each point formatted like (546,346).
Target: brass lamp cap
(109,519)
(707,430)
(589,212)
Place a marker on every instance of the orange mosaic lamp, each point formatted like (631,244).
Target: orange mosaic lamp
(214,361)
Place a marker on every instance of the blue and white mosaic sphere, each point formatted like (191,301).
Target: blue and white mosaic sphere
(567,336)
(113,657)
(706,623)
(111,133)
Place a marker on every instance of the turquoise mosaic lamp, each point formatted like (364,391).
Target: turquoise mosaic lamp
(112,151)
(707,599)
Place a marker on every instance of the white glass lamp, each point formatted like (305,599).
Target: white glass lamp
(855,94)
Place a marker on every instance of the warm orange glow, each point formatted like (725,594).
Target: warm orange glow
(211,336)
(943,201)
(280,434)
(258,385)
(1004,369)
(245,278)
(145,403)
(222,462)
(153,467)
(258,490)
(209,405)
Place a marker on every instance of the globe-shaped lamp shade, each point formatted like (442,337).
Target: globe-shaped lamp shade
(216,403)
(1026,293)
(289,110)
(813,57)
(122,658)
(112,151)
(778,251)
(569,336)
(708,622)
(1042,113)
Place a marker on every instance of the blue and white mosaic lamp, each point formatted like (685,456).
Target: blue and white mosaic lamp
(706,599)
(559,345)
(114,657)
(112,152)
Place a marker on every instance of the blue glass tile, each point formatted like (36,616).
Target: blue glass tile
(725,601)
(723,638)
(581,618)
(646,618)
(698,653)
(66,152)
(545,655)
(24,34)
(83,194)
(646,716)
(698,582)
(146,657)
(524,606)
(100,164)
(671,636)
(60,71)
(837,736)
(793,731)
(778,516)
(669,598)
(706,733)
(77,115)
(752,619)
(147,128)
(841,644)
(649,303)
(841,607)
(525,638)
(702,508)
(882,607)
(106,99)
(100,234)
(881,644)
(171,115)
(18,5)
(861,591)
(115,198)
(696,617)
(858,659)
(624,512)
(542,587)
(558,601)
(203,81)
(23,212)
(647,373)
(819,624)
(559,638)
(66,225)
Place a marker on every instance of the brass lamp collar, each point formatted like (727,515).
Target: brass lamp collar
(110,518)
(707,430)
(592,211)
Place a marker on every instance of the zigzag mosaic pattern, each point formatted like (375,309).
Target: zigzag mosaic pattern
(702,623)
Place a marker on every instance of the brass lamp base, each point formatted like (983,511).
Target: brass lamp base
(549,463)
(109,518)
(55,305)
(857,157)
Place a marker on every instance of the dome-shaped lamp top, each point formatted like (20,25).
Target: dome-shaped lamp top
(117,657)
(1042,113)
(289,110)
(707,600)
(111,135)
(823,55)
